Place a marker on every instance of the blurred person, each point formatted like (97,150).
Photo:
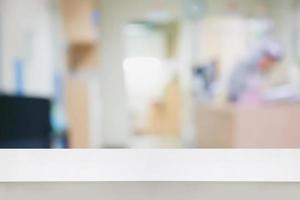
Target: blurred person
(204,78)
(246,81)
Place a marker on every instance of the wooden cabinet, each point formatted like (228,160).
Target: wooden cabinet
(265,126)
(81,28)
(79,20)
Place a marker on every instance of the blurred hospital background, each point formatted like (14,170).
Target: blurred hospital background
(149,74)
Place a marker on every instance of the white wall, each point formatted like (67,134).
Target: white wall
(282,12)
(27,35)
(114,15)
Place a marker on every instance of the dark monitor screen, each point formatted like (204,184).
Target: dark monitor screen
(24,122)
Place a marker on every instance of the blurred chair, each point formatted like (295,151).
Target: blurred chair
(24,122)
